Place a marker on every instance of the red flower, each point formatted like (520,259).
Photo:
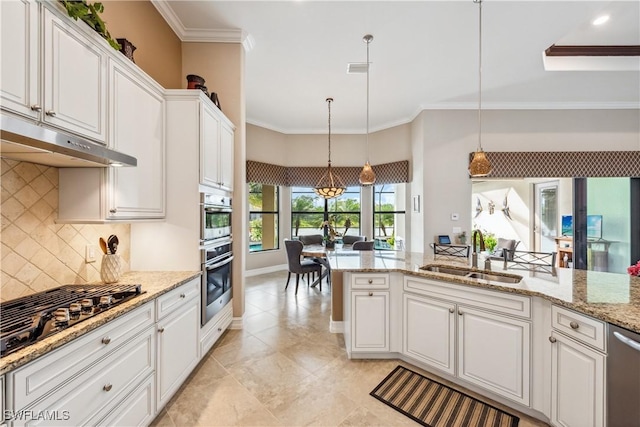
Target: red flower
(634,270)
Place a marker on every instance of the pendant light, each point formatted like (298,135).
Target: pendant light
(367,176)
(330,185)
(480,164)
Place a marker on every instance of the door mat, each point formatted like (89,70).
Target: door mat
(435,405)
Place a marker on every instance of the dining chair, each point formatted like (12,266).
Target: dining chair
(294,251)
(350,240)
(363,246)
(311,239)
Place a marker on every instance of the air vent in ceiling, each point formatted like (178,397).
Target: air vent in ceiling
(357,68)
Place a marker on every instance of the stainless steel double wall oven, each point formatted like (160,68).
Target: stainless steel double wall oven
(216,254)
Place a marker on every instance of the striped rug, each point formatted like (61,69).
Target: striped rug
(435,405)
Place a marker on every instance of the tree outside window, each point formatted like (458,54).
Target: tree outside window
(263,217)
(389,216)
(309,211)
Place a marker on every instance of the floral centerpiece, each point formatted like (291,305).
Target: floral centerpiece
(634,270)
(331,233)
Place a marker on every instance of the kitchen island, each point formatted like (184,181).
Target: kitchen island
(613,298)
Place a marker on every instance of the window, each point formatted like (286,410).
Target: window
(389,216)
(263,217)
(308,211)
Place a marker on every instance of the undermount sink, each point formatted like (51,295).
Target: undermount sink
(473,274)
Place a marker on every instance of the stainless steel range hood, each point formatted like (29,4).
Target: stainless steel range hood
(29,142)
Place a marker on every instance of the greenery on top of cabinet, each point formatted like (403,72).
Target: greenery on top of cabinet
(90,14)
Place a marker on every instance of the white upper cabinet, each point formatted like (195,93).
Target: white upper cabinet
(63,81)
(19,78)
(216,148)
(75,80)
(136,128)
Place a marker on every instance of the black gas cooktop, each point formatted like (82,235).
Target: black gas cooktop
(29,319)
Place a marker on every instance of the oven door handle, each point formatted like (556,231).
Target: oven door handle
(219,264)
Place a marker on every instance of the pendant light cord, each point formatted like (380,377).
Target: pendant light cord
(329,100)
(479,73)
(368,41)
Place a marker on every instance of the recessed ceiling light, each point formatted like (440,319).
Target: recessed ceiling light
(600,20)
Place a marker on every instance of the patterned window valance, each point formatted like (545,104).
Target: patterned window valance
(564,164)
(304,176)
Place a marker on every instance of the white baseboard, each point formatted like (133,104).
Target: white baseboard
(336,327)
(264,270)
(236,323)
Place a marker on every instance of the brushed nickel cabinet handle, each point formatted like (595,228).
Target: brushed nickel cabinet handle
(114,210)
(51,113)
(219,329)
(370,294)
(106,340)
(460,312)
(183,296)
(161,330)
(552,339)
(107,387)
(574,325)
(451,310)
(36,107)
(370,281)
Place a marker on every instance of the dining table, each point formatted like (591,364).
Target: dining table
(319,254)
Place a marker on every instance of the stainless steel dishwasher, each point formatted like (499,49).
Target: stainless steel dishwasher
(623,378)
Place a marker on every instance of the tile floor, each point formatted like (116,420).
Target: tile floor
(285,369)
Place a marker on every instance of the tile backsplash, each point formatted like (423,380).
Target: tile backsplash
(36,253)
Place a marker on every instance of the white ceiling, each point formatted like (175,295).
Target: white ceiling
(424,55)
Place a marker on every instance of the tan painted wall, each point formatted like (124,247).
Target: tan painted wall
(158,49)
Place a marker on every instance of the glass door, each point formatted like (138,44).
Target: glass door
(546,216)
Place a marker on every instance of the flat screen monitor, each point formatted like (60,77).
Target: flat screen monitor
(567,225)
(444,239)
(594,226)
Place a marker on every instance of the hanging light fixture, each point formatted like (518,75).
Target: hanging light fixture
(367,176)
(330,185)
(480,164)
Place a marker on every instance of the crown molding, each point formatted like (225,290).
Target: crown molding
(202,34)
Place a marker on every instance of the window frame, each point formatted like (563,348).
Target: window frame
(276,213)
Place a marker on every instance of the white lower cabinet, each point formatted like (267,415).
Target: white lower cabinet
(493,352)
(214,329)
(577,370)
(430,332)
(370,321)
(178,339)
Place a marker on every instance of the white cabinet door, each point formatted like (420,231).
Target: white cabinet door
(494,352)
(75,80)
(577,384)
(178,345)
(137,128)
(226,157)
(370,321)
(20,64)
(209,146)
(429,332)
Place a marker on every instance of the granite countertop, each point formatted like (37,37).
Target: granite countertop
(153,284)
(613,298)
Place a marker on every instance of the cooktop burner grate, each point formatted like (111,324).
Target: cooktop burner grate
(29,319)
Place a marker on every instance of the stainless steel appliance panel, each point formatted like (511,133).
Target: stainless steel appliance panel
(623,378)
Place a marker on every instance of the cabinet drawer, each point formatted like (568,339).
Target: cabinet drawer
(102,386)
(136,409)
(370,281)
(578,326)
(36,379)
(221,322)
(500,302)
(176,298)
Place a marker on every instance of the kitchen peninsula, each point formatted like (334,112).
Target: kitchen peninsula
(540,344)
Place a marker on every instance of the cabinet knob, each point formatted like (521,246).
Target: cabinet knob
(183,296)
(552,339)
(106,340)
(370,281)
(219,329)
(51,113)
(370,294)
(36,107)
(161,329)
(107,387)
(460,312)
(114,210)
(574,325)
(451,310)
